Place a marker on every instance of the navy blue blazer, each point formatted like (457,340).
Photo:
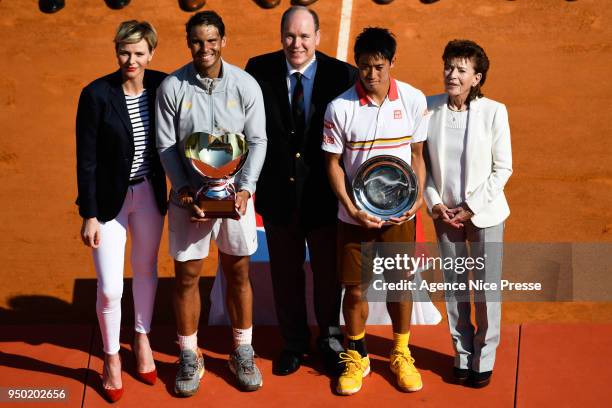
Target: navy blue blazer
(105,147)
(293,177)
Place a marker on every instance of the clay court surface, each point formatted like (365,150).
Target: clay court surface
(550,64)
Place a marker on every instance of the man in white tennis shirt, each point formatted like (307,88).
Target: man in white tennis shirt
(378,116)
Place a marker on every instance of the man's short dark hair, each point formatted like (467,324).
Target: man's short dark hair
(289,12)
(375,41)
(207,17)
(475,53)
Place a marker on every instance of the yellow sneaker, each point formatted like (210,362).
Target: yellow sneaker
(355,368)
(402,365)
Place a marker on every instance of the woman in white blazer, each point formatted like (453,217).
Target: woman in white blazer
(469,161)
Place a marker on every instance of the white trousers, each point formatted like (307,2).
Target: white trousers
(140,213)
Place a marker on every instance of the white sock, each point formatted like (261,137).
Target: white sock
(188,342)
(242,336)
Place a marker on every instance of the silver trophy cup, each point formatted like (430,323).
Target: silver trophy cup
(217,158)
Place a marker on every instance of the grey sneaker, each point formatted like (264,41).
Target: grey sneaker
(190,372)
(242,365)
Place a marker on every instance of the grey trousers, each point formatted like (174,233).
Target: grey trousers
(474,347)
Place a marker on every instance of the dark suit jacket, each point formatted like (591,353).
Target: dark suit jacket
(293,176)
(105,147)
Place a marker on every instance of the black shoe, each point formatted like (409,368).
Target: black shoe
(117,4)
(460,375)
(330,349)
(428,1)
(267,4)
(479,380)
(191,5)
(50,6)
(287,363)
(302,2)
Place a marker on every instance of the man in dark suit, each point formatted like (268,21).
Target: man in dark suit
(293,193)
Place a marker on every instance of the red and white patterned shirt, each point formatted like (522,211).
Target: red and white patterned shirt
(359,129)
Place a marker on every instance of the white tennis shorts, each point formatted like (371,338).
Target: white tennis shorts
(190,240)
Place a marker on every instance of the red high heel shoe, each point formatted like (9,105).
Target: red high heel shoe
(149,377)
(111,394)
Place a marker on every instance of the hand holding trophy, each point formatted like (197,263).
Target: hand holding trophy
(217,158)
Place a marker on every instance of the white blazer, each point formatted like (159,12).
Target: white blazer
(488,158)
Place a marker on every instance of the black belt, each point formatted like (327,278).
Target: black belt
(138,180)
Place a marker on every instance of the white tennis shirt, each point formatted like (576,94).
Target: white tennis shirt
(359,129)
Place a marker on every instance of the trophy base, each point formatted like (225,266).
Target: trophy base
(225,208)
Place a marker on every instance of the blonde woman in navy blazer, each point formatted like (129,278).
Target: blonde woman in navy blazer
(122,186)
(469,161)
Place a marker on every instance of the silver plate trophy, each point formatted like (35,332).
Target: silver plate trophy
(385,186)
(217,158)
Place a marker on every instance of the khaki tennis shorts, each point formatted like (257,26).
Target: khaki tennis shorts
(350,238)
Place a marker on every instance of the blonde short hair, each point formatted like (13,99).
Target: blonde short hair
(133,31)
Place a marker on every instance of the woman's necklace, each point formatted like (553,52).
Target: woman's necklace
(456,115)
(452,108)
